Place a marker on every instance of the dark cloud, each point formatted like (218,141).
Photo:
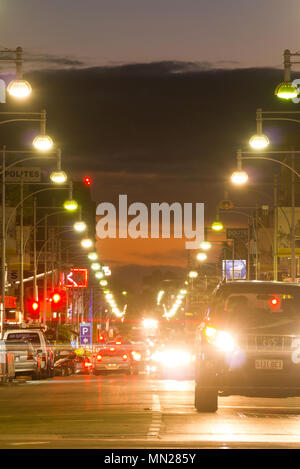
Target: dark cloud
(159,125)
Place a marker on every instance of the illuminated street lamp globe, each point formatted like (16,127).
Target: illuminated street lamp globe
(103,283)
(95,266)
(217,226)
(193,274)
(86,244)
(201,256)
(286,90)
(71,205)
(79,226)
(19,89)
(99,274)
(93,256)
(42,143)
(58,177)
(205,245)
(259,142)
(239,177)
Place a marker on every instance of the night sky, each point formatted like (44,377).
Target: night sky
(152,99)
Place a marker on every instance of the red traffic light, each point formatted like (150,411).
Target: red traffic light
(34,308)
(87,180)
(56,297)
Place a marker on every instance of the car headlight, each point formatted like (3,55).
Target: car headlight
(220,339)
(173,357)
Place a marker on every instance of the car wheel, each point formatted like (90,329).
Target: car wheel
(206,398)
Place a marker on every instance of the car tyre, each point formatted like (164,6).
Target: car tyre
(206,398)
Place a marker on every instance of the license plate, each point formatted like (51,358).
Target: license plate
(112,366)
(269,364)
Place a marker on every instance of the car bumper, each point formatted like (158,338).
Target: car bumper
(112,367)
(238,374)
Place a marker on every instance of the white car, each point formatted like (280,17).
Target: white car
(26,360)
(36,337)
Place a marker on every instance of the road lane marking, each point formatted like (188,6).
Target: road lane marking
(155,426)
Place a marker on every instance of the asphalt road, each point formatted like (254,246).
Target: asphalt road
(117,411)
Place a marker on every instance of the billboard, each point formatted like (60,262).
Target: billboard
(234,270)
(284,215)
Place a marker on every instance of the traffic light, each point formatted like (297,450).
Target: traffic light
(87,180)
(33,308)
(56,297)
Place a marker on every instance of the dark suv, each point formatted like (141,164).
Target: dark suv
(249,343)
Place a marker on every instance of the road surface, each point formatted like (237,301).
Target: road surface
(116,411)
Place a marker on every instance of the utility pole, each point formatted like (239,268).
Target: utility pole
(275,240)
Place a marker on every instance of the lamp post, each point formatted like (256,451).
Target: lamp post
(253,156)
(286,89)
(5,226)
(18,88)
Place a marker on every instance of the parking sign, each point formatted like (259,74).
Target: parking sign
(86,333)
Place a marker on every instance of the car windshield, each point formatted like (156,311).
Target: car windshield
(260,301)
(32,337)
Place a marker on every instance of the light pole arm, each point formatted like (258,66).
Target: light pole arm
(268,159)
(28,197)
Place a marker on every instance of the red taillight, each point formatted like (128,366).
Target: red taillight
(87,364)
(125,357)
(112,349)
(29,356)
(99,357)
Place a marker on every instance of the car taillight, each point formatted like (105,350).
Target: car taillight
(29,356)
(87,364)
(125,357)
(99,357)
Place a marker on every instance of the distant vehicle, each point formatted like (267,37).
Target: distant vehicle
(114,357)
(83,365)
(40,344)
(174,359)
(27,361)
(249,343)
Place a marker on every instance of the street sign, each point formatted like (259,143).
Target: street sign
(76,278)
(86,333)
(237,233)
(28,174)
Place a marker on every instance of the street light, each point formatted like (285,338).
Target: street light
(17,88)
(239,177)
(259,141)
(205,245)
(217,225)
(70,205)
(79,226)
(95,266)
(286,89)
(58,177)
(99,275)
(43,142)
(93,256)
(86,243)
(193,274)
(201,256)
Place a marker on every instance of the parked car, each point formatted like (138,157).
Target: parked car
(249,343)
(27,360)
(83,365)
(37,338)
